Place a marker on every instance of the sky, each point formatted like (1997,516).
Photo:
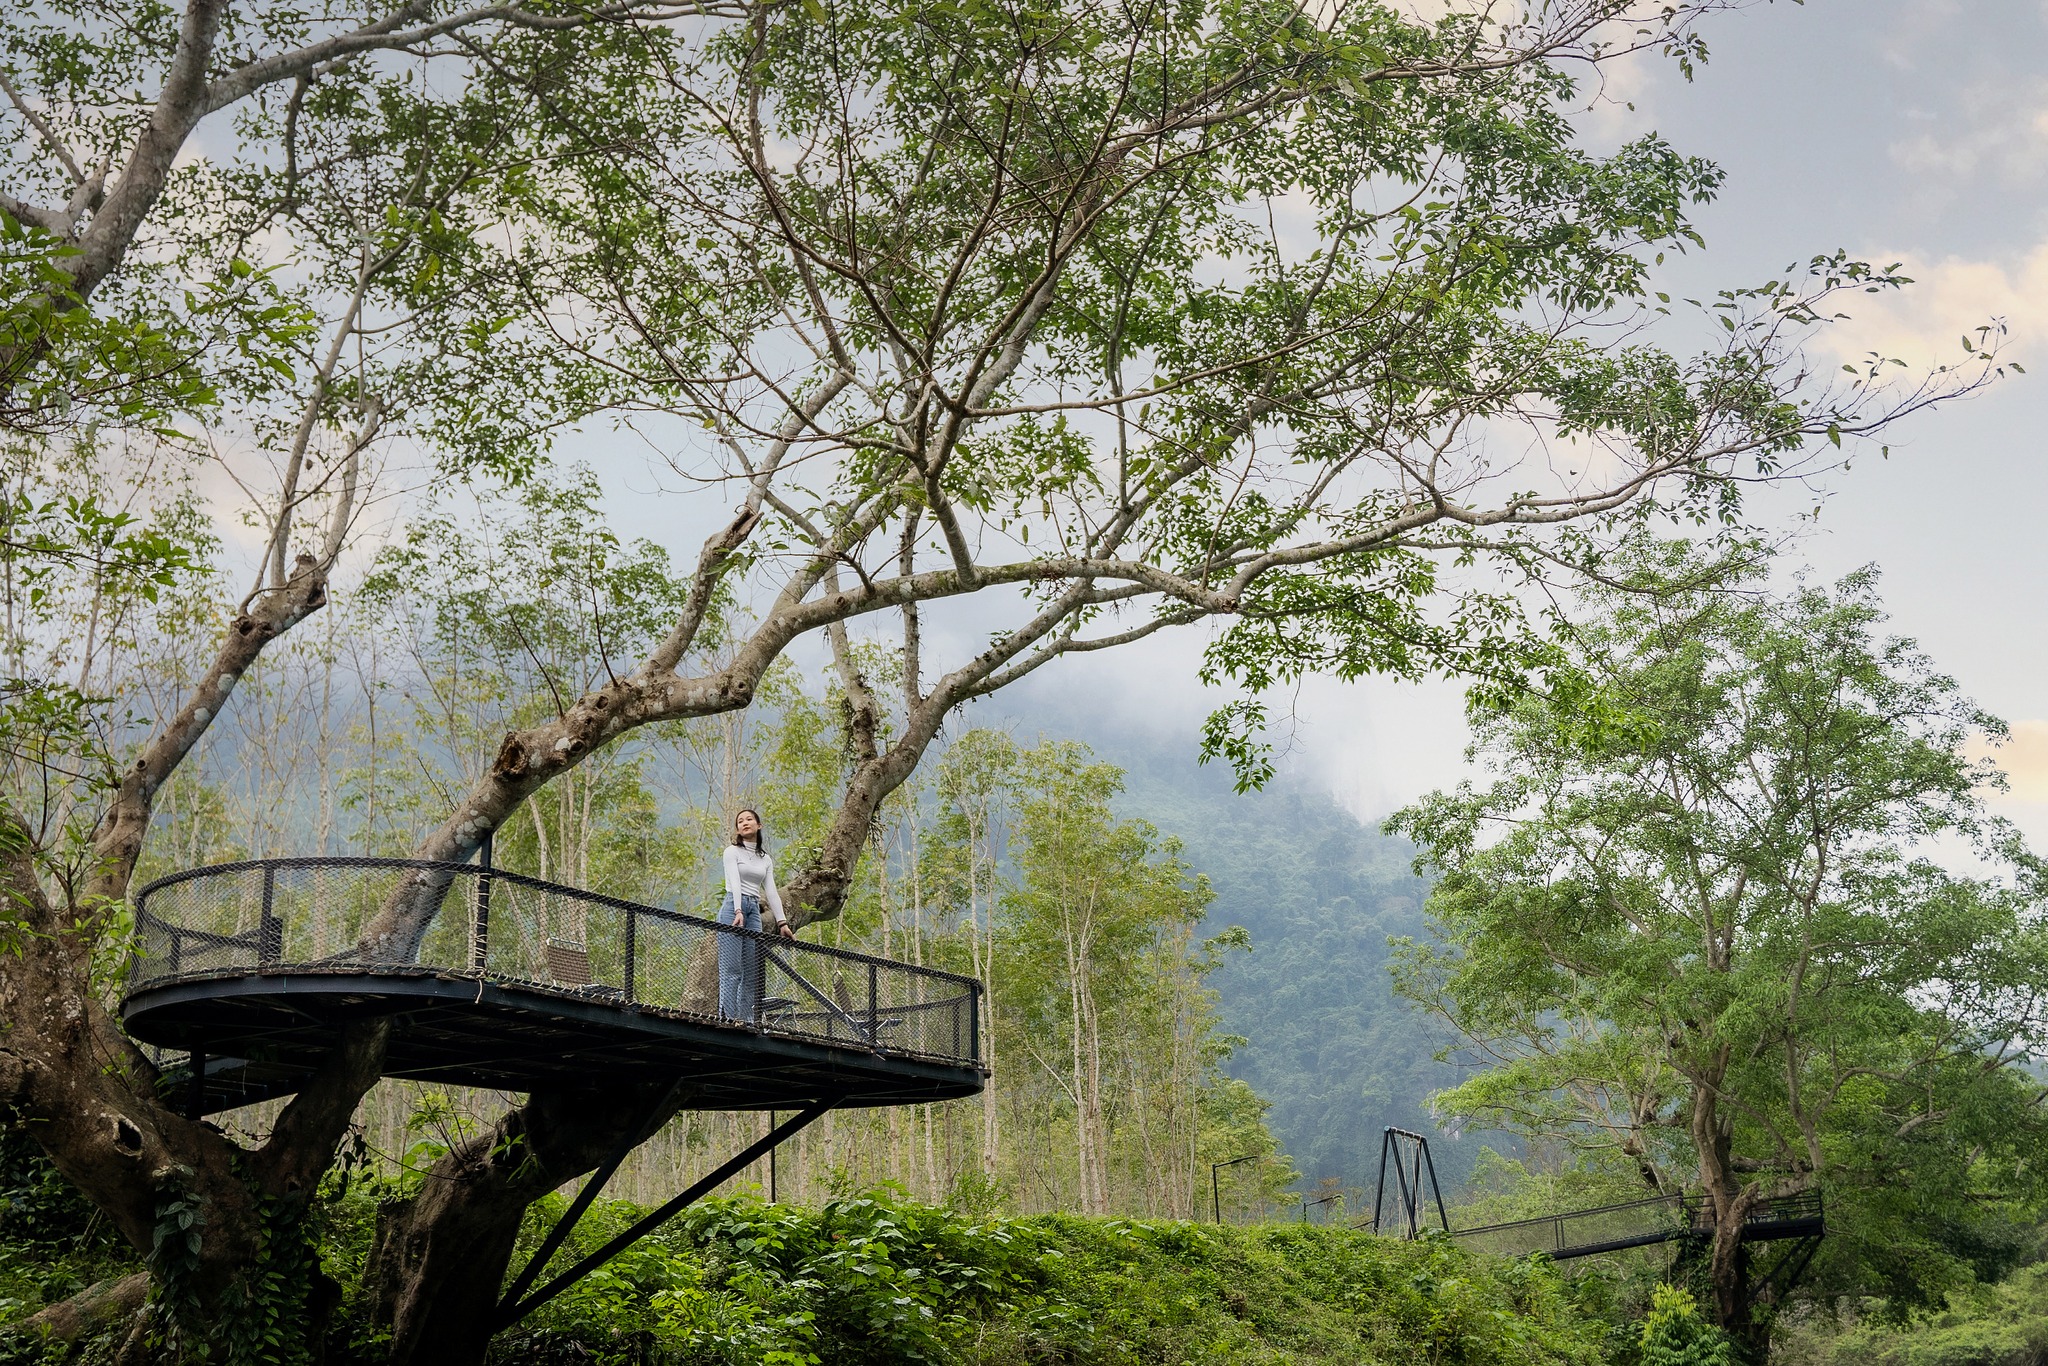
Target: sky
(1911,131)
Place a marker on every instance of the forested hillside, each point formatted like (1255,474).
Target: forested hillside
(1326,1040)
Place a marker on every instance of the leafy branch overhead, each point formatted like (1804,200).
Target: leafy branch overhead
(1134,318)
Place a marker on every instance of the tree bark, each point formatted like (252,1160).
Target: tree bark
(95,1310)
(1730,1202)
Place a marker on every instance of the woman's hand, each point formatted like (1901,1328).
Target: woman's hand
(787,932)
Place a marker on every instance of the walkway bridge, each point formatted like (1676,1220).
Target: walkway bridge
(1687,1220)
(254,969)
(1643,1223)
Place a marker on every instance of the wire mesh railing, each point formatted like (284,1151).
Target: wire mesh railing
(1639,1223)
(1656,1219)
(314,914)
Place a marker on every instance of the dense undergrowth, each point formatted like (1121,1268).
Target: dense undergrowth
(871,1279)
(874,1278)
(1995,1325)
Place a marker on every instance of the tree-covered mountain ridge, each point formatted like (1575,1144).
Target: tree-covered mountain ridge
(1325,1038)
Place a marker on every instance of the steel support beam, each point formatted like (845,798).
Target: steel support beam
(507,1316)
(633,1138)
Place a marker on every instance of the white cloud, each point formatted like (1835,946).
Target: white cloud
(2024,757)
(2000,134)
(1950,297)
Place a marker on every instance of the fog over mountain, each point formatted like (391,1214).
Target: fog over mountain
(1327,1041)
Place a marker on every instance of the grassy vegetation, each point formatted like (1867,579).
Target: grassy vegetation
(874,1279)
(1997,1325)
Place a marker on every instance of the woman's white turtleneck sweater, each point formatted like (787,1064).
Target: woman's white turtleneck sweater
(750,872)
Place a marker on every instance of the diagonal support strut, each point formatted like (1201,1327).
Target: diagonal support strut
(507,1316)
(564,1226)
(1407,1153)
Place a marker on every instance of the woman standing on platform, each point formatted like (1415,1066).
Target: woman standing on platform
(749,882)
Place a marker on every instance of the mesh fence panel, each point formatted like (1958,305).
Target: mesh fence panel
(1585,1228)
(203,925)
(312,913)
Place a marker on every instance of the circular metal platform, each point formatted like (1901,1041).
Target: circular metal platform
(255,968)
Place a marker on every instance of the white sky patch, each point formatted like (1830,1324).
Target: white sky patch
(1950,298)
(2024,758)
(1998,134)
(1904,45)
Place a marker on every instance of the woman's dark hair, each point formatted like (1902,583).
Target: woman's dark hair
(737,838)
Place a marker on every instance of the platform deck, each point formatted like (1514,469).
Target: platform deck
(239,970)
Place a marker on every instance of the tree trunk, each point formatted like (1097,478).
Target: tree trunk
(981,944)
(95,1310)
(1730,1203)
(88,1097)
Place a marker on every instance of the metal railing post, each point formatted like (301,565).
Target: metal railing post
(632,950)
(480,922)
(1216,1186)
(1415,1202)
(1380,1195)
(270,930)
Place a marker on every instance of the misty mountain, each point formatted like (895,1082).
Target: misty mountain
(1327,1041)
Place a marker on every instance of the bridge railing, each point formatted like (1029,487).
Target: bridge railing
(307,915)
(1633,1224)
(1638,1223)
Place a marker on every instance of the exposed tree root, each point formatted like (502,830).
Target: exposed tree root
(90,1312)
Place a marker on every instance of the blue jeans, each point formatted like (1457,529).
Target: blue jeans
(739,962)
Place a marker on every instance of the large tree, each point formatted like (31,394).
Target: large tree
(148,346)
(1704,922)
(1114,320)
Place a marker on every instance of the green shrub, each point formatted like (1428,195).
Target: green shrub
(1676,1335)
(2001,1325)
